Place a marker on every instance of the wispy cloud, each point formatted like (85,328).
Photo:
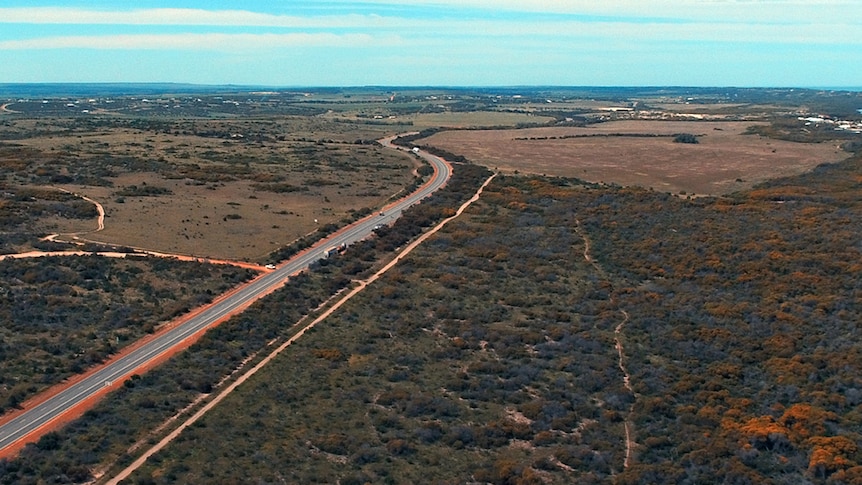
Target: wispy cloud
(564,6)
(480,41)
(181,16)
(187,41)
(668,32)
(713,11)
(554,34)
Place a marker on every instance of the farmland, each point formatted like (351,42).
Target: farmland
(642,152)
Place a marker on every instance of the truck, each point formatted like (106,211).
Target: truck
(335,250)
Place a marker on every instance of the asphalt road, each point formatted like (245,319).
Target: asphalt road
(25,427)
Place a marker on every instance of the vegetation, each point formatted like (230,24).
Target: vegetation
(743,327)
(525,343)
(685,138)
(142,191)
(161,181)
(62,315)
(492,349)
(127,417)
(796,130)
(21,209)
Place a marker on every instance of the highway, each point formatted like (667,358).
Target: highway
(26,426)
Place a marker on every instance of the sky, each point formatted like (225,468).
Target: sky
(746,43)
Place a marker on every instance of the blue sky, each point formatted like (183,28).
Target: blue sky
(784,43)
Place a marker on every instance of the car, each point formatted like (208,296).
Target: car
(270,266)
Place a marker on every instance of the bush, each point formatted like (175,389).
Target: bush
(685,138)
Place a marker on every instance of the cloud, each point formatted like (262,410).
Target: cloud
(715,11)
(618,22)
(466,35)
(665,32)
(179,16)
(211,41)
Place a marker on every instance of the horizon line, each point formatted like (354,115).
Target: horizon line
(422,86)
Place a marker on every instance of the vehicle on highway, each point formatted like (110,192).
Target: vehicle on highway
(335,250)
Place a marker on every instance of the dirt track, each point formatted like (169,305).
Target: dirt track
(618,345)
(245,376)
(100,226)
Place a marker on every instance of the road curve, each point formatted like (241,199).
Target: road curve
(29,424)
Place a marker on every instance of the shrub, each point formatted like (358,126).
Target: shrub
(685,138)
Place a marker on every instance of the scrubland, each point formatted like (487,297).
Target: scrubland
(594,324)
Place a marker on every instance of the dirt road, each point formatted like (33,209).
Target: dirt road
(115,480)
(75,238)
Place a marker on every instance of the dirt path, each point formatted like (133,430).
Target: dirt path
(134,254)
(138,252)
(338,304)
(618,345)
(101,210)
(5,108)
(587,244)
(100,221)
(627,383)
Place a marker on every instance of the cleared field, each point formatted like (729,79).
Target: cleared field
(475,118)
(449,119)
(724,160)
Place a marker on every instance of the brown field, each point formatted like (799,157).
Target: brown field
(449,119)
(475,118)
(213,208)
(723,161)
(193,220)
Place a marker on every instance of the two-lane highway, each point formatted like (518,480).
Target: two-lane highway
(31,423)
